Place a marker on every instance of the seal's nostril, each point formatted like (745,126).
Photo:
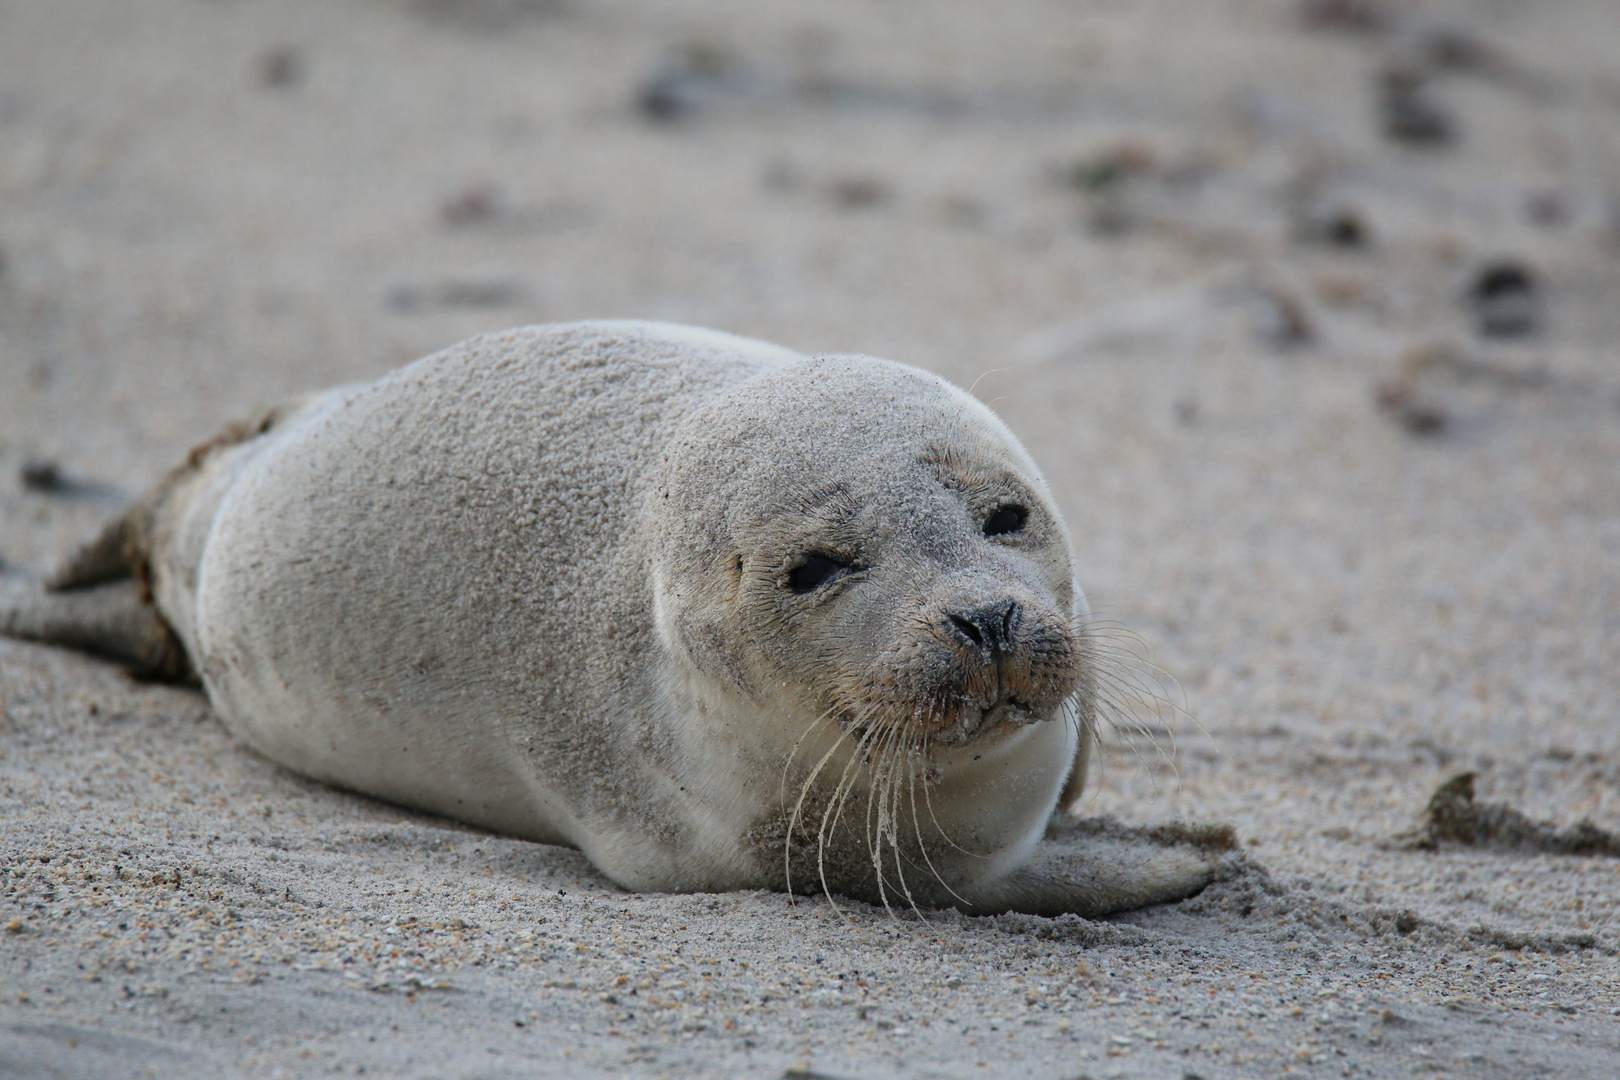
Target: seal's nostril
(968,630)
(994,627)
(1009,622)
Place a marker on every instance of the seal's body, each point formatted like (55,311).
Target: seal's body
(720,615)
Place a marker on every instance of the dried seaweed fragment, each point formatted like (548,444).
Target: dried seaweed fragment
(1453,817)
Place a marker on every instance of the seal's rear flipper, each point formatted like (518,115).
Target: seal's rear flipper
(107,598)
(99,601)
(109,620)
(109,557)
(1098,867)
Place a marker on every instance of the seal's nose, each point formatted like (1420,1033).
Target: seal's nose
(993,627)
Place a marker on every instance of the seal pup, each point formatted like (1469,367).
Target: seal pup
(718,614)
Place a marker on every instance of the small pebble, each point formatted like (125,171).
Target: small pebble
(40,475)
(1503,297)
(1335,226)
(1409,115)
(1399,401)
(688,85)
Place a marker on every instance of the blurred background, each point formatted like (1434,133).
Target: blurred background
(1309,310)
(1307,307)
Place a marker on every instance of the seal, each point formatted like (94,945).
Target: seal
(720,615)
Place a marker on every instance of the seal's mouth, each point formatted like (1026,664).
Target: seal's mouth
(966,722)
(1007,710)
(972,721)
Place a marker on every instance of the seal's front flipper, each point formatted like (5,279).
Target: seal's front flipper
(111,620)
(1096,867)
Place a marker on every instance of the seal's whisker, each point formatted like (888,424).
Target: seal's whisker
(1127,679)
(880,768)
(873,852)
(928,801)
(835,806)
(1126,694)
(1135,749)
(903,771)
(1142,681)
(835,802)
(798,805)
(916,822)
(967,401)
(793,754)
(905,755)
(875,801)
(1120,651)
(893,765)
(1122,692)
(877,811)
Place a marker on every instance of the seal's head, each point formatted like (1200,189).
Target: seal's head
(872,543)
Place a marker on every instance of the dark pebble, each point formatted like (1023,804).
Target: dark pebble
(1341,227)
(1345,229)
(691,83)
(402,298)
(666,98)
(41,475)
(1409,115)
(1399,401)
(1503,297)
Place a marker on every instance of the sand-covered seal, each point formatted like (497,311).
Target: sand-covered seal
(720,615)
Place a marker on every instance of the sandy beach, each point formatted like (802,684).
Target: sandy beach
(1309,311)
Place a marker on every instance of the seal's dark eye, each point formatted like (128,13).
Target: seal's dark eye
(813,573)
(1008,519)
